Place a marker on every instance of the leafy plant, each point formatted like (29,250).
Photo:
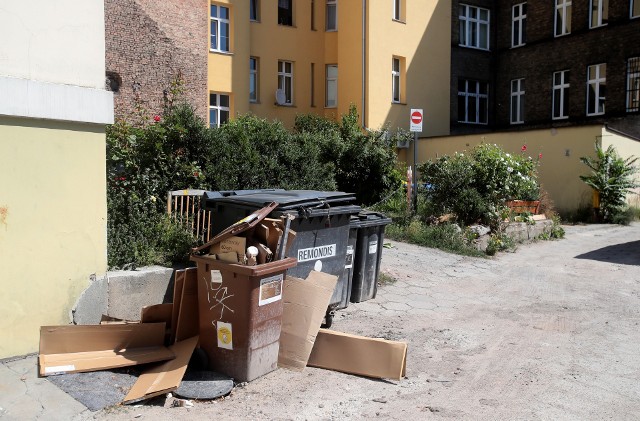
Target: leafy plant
(612,177)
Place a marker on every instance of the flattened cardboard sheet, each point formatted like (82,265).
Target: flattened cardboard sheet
(305,304)
(187,324)
(157,313)
(178,283)
(164,377)
(79,348)
(354,354)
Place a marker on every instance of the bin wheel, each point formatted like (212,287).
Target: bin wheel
(328,320)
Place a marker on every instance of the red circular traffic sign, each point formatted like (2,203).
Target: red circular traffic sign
(416,117)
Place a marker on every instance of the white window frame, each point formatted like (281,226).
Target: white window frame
(471,27)
(598,82)
(563,9)
(599,8)
(633,85)
(331,26)
(219,24)
(561,91)
(254,6)
(468,95)
(218,109)
(329,86)
(634,4)
(517,101)
(397,10)
(283,77)
(253,78)
(396,76)
(519,23)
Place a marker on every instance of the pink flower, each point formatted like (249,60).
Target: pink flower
(539,156)
(196,174)
(524,148)
(156,118)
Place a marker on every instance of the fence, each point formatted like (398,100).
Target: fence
(184,205)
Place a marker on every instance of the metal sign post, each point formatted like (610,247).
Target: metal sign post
(415,126)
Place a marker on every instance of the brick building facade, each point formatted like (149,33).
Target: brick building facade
(539,55)
(148,45)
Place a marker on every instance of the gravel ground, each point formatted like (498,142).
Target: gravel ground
(548,332)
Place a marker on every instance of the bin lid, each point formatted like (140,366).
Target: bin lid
(312,201)
(369,219)
(240,226)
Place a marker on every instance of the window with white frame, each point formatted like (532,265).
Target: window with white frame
(474,27)
(285,12)
(599,13)
(560,102)
(596,88)
(253,79)
(563,17)
(518,24)
(633,85)
(517,101)
(332,86)
(395,80)
(218,109)
(285,80)
(254,10)
(332,15)
(635,9)
(219,28)
(473,101)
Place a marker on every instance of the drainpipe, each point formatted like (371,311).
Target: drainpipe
(364,57)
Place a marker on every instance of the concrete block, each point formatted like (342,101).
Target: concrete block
(129,291)
(92,304)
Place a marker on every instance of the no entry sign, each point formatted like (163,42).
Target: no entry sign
(415,122)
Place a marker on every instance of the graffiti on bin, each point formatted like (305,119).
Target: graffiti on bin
(217,294)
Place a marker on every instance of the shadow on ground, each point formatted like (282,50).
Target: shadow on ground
(625,254)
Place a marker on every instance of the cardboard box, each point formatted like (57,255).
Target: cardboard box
(187,322)
(230,245)
(165,377)
(354,354)
(305,304)
(79,348)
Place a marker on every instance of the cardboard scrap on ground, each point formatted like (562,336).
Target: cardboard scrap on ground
(360,355)
(79,348)
(165,377)
(187,322)
(305,304)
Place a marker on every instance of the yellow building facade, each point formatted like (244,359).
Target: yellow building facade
(280,58)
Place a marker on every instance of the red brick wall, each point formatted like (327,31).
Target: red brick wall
(148,43)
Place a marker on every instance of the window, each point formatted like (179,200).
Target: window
(395,80)
(332,15)
(397,9)
(517,101)
(218,109)
(633,85)
(596,88)
(563,17)
(253,79)
(332,86)
(285,81)
(253,10)
(635,9)
(474,27)
(313,84)
(313,15)
(473,101)
(219,28)
(518,24)
(560,107)
(285,12)
(599,13)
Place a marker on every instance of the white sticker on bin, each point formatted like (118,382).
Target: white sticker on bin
(348,263)
(315,253)
(373,246)
(59,369)
(225,335)
(270,290)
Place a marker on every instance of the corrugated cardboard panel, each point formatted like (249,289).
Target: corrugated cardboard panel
(305,304)
(78,348)
(164,377)
(187,324)
(354,354)
(178,282)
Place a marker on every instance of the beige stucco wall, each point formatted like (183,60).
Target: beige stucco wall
(58,41)
(52,223)
(626,148)
(421,41)
(559,167)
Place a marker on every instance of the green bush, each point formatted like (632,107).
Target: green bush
(613,177)
(447,237)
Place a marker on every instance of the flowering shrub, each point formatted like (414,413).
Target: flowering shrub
(474,186)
